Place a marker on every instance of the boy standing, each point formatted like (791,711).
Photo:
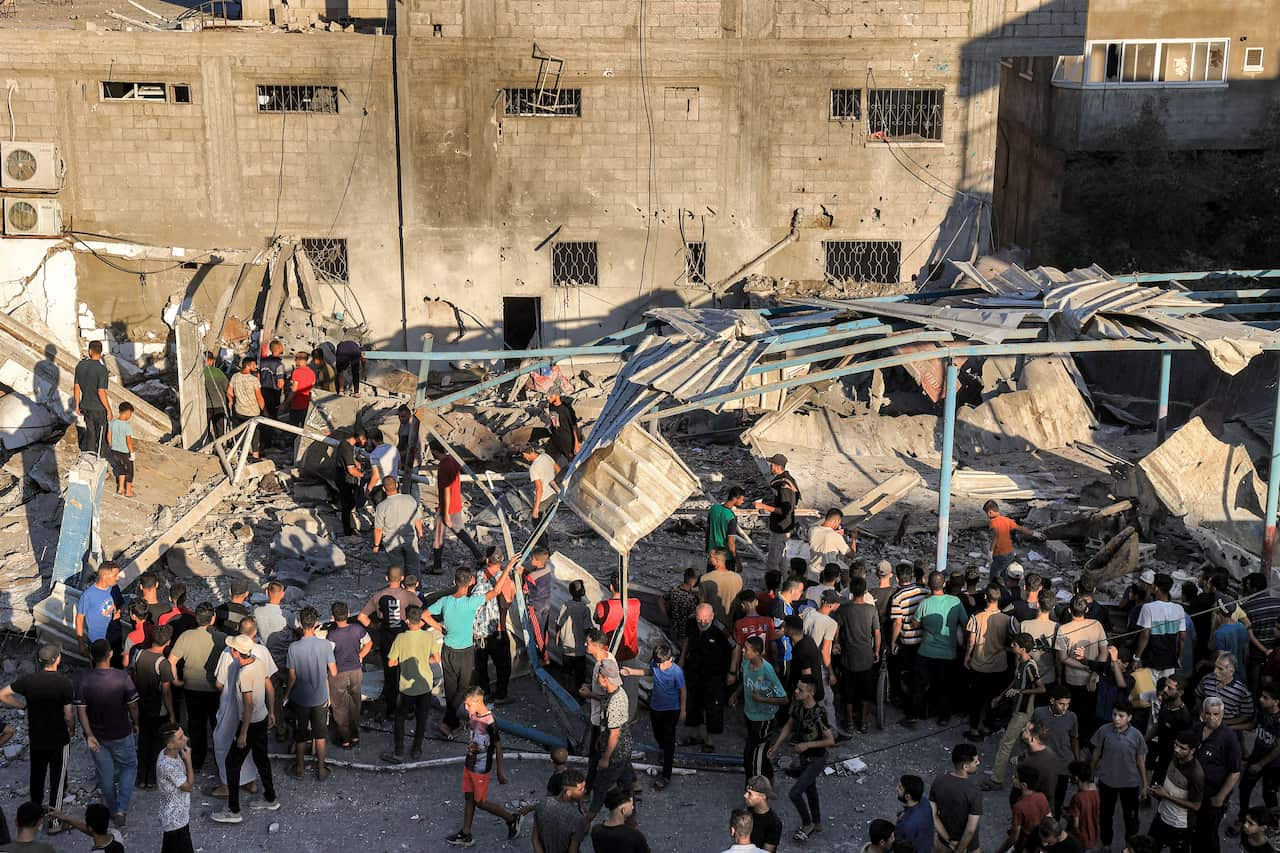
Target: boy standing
(120,432)
(484,752)
(1081,814)
(1119,758)
(1001,529)
(176,777)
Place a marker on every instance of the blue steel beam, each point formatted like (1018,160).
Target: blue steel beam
(1146,277)
(944,475)
(1162,410)
(1273,490)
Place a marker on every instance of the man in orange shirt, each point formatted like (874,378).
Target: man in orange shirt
(1001,528)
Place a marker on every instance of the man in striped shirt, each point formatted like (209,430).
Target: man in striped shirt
(1224,683)
(1263,610)
(906,634)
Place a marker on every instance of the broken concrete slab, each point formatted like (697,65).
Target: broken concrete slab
(1060,553)
(1048,412)
(1118,557)
(23,421)
(187,559)
(311,521)
(319,553)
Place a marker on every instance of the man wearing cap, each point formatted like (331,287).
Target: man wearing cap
(1001,528)
(827,546)
(766,826)
(46,694)
(542,473)
(615,735)
(781,509)
(1164,629)
(881,589)
(566,437)
(397,526)
(249,676)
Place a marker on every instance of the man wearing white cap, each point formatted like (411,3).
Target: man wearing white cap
(782,511)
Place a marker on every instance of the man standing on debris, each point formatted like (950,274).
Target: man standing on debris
(719,587)
(47,695)
(781,508)
(98,612)
(324,373)
(384,462)
(449,507)
(1001,529)
(566,437)
(705,662)
(542,473)
(91,400)
(397,526)
(350,476)
(107,704)
(215,395)
(827,546)
(539,580)
(349,367)
(245,396)
(194,658)
(311,664)
(390,604)
(301,380)
(722,524)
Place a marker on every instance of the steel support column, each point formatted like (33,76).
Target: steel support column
(1162,410)
(1273,488)
(424,370)
(944,475)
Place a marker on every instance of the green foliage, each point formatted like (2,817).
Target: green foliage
(1146,206)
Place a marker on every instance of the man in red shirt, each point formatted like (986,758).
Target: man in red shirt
(609,617)
(1001,529)
(449,507)
(747,623)
(301,381)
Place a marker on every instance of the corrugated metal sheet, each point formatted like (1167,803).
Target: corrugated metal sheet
(1231,346)
(979,324)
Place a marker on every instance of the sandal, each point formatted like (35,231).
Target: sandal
(662,782)
(800,836)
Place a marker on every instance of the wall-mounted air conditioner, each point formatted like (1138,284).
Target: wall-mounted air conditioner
(31,167)
(32,217)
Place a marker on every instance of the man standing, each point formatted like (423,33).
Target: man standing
(457,612)
(1001,529)
(397,526)
(47,695)
(413,654)
(492,641)
(915,824)
(957,802)
(542,474)
(1169,716)
(1022,692)
(1088,636)
(766,826)
(311,664)
(782,511)
(1120,762)
(557,821)
(1164,630)
(859,627)
(98,612)
(719,587)
(351,644)
(349,367)
(741,825)
(1224,683)
(566,437)
(233,611)
(617,831)
(215,396)
(1177,797)
(678,605)
(904,642)
(449,507)
(722,524)
(90,391)
(271,377)
(1042,630)
(107,704)
(384,463)
(1263,763)
(827,546)
(1219,758)
(941,619)
(153,678)
(194,659)
(301,380)
(539,579)
(612,618)
(389,604)
(987,662)
(177,778)
(245,398)
(350,475)
(705,661)
(783,607)
(249,677)
(615,736)
(822,629)
(762,694)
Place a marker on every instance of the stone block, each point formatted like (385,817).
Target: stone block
(1060,552)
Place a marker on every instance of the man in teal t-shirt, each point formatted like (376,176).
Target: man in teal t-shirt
(457,659)
(941,618)
(762,694)
(722,524)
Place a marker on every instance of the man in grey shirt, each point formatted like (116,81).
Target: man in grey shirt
(397,527)
(311,665)
(275,633)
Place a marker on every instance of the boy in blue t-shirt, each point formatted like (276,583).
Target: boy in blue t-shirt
(667,702)
(120,431)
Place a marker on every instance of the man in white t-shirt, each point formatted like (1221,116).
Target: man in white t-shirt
(384,462)
(828,545)
(542,474)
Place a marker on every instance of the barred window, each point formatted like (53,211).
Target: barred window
(543,102)
(574,265)
(863,260)
(328,256)
(846,104)
(695,263)
(297,99)
(905,114)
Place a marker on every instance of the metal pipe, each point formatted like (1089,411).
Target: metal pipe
(1162,410)
(1195,276)
(531,734)
(944,478)
(1273,488)
(424,371)
(490,354)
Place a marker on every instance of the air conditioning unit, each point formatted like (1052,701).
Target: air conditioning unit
(31,167)
(32,217)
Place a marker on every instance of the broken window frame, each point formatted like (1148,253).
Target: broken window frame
(855,261)
(531,102)
(575,263)
(845,98)
(318,99)
(156,92)
(329,258)
(1138,63)
(695,262)
(894,121)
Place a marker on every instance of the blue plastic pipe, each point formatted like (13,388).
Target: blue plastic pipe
(944,479)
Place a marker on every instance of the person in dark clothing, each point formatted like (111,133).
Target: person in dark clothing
(91,401)
(566,437)
(271,378)
(47,697)
(806,658)
(153,676)
(215,396)
(781,508)
(322,370)
(1173,716)
(349,368)
(449,508)
(705,662)
(351,472)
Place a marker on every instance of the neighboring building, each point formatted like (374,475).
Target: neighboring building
(539,198)
(1210,72)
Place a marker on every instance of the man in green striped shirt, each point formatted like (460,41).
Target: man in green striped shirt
(722,524)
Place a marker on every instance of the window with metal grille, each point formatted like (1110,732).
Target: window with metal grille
(905,114)
(115,90)
(695,263)
(297,99)
(543,102)
(328,256)
(846,104)
(574,265)
(850,261)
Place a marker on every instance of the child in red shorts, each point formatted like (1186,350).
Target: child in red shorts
(484,752)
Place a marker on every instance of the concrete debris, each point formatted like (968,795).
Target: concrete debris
(320,555)
(1119,556)
(23,421)
(1048,413)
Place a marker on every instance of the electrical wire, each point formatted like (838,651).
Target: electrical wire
(364,115)
(275,228)
(118,268)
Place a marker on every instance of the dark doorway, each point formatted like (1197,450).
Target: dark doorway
(521,323)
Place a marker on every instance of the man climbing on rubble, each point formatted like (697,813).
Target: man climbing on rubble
(542,474)
(91,401)
(449,507)
(245,397)
(349,367)
(397,526)
(1001,529)
(782,511)
(722,525)
(384,463)
(566,437)
(539,580)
